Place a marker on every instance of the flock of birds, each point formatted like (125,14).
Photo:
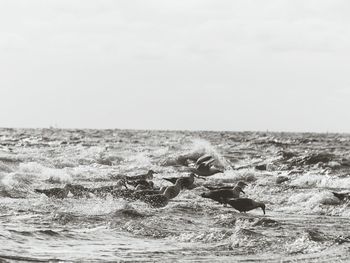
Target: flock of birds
(143,188)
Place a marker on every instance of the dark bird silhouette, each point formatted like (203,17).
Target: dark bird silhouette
(139,194)
(174,190)
(208,163)
(105,190)
(223,187)
(187,182)
(149,186)
(142,184)
(245,204)
(161,200)
(204,158)
(158,200)
(342,196)
(78,190)
(204,170)
(55,192)
(204,166)
(123,193)
(223,195)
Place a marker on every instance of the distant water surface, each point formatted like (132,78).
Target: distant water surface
(304,222)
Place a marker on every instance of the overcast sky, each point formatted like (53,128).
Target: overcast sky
(180,64)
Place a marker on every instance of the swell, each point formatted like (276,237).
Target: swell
(27,259)
(294,174)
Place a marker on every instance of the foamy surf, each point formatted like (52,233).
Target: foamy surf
(292,174)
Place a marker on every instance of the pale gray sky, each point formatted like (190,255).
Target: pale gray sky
(180,64)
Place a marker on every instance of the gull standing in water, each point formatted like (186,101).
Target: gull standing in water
(141,193)
(223,195)
(55,192)
(245,204)
(187,182)
(205,169)
(141,184)
(161,200)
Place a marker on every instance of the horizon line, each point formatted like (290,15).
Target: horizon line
(176,130)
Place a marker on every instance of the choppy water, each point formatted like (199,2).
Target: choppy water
(303,221)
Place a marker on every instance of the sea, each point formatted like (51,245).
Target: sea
(294,174)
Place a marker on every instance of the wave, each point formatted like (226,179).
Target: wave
(193,151)
(310,241)
(208,236)
(300,210)
(5,168)
(147,228)
(46,232)
(318,180)
(129,212)
(27,259)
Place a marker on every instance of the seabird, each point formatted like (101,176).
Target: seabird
(161,200)
(148,186)
(222,195)
(78,190)
(203,170)
(205,164)
(158,200)
(123,193)
(142,183)
(187,182)
(139,194)
(245,204)
(223,187)
(55,192)
(104,190)
(342,196)
(204,158)
(174,190)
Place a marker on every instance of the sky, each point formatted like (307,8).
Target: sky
(184,65)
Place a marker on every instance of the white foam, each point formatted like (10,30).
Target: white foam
(317,180)
(202,147)
(91,207)
(44,173)
(314,202)
(4,168)
(208,236)
(234,176)
(140,160)
(304,244)
(31,167)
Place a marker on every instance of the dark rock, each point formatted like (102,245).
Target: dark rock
(261,167)
(280,179)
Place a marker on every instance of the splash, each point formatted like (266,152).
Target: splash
(311,241)
(189,228)
(317,180)
(208,236)
(39,172)
(194,150)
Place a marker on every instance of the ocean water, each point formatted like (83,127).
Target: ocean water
(304,221)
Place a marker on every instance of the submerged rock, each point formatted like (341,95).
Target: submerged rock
(280,179)
(317,158)
(315,235)
(266,222)
(334,164)
(261,167)
(342,196)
